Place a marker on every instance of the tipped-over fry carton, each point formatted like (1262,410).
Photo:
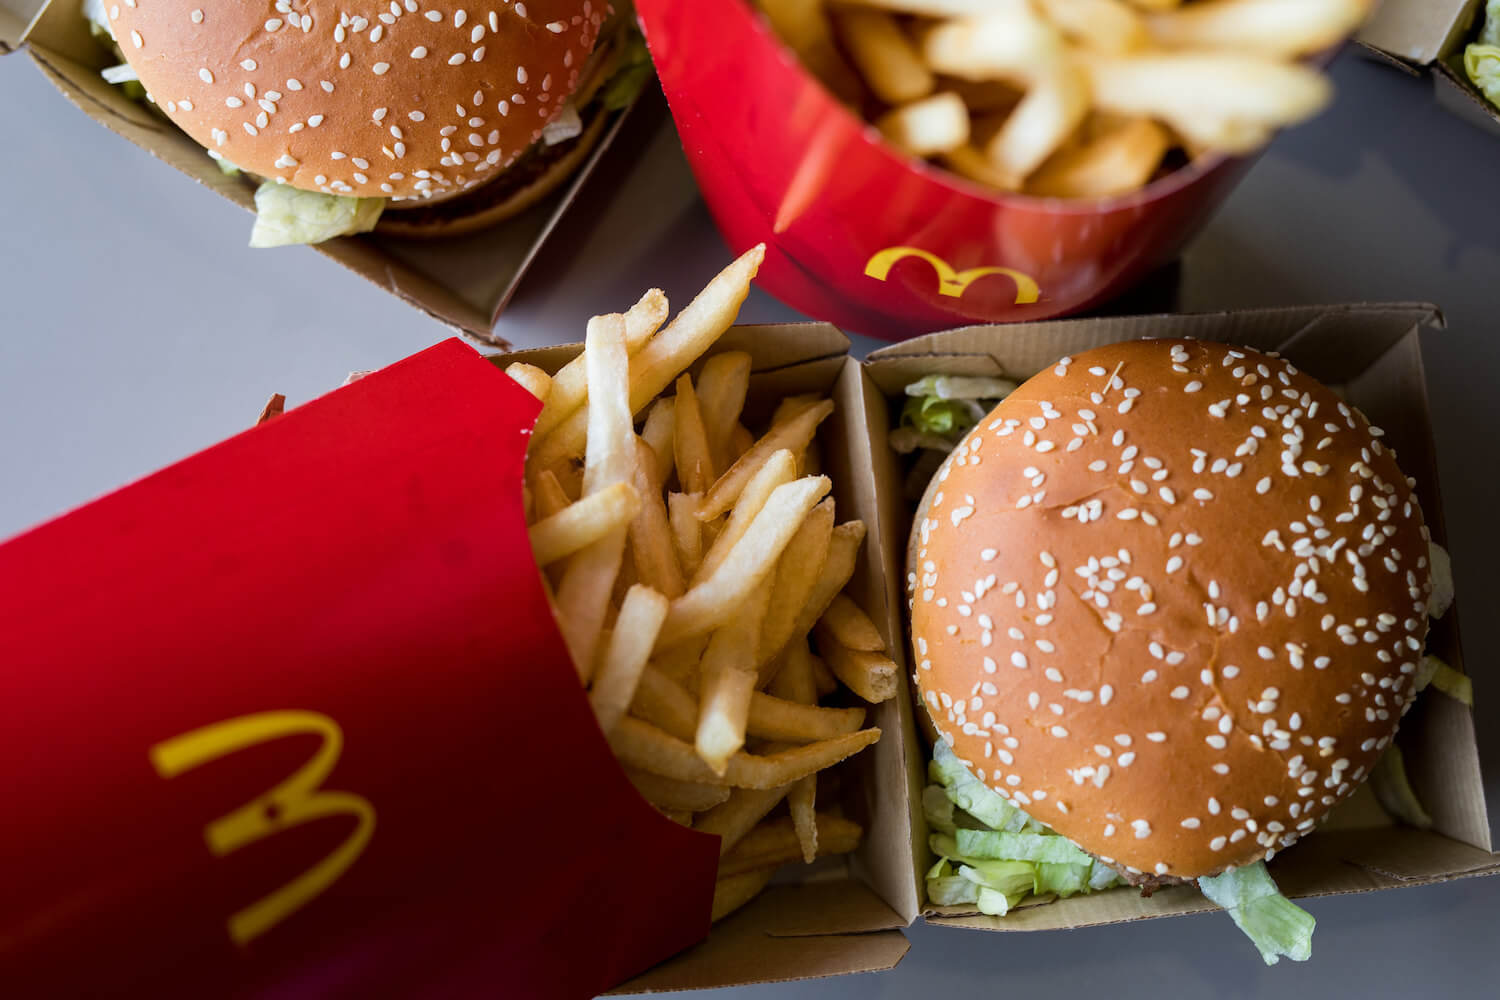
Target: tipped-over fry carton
(464,282)
(293,717)
(864,236)
(1429,36)
(1371,354)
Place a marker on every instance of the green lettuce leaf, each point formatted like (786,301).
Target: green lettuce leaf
(1039,847)
(1482,64)
(1441,566)
(972,795)
(1278,927)
(961,387)
(628,81)
(1433,671)
(1491,33)
(285,215)
(1394,792)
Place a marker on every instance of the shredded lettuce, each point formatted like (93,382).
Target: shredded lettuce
(961,387)
(1490,34)
(565,125)
(1482,59)
(940,409)
(1038,847)
(1278,927)
(1438,674)
(285,215)
(974,796)
(1394,792)
(635,69)
(1440,566)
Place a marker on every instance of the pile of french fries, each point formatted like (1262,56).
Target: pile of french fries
(1069,98)
(689,563)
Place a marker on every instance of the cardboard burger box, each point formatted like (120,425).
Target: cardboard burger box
(1371,355)
(464,282)
(334,617)
(1429,36)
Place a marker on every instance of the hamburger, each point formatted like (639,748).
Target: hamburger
(433,120)
(1169,602)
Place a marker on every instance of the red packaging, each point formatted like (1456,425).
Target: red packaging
(868,238)
(292,718)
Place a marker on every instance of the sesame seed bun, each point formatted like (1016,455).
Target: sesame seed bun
(404,100)
(1169,598)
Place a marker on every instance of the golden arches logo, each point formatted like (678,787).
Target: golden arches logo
(297,800)
(951,282)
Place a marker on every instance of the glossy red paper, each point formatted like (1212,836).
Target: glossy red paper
(871,240)
(292,718)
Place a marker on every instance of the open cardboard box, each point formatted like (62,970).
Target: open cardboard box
(1371,354)
(464,282)
(1429,36)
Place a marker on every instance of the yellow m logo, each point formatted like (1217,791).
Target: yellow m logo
(951,282)
(295,801)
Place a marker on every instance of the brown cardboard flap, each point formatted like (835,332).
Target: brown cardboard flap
(1455,92)
(13,25)
(1418,31)
(817,909)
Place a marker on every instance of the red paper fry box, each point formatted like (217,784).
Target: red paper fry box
(292,718)
(868,238)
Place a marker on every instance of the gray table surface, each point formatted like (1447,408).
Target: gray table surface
(136,327)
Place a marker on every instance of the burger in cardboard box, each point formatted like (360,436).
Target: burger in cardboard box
(1457,40)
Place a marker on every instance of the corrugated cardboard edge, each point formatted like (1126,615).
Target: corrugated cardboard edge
(841,920)
(1417,31)
(1454,91)
(1374,352)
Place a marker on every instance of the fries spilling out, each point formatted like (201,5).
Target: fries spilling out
(695,563)
(1069,98)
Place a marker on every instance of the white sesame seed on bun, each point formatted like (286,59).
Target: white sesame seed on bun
(402,99)
(1169,598)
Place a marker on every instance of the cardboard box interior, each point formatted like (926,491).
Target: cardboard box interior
(1430,35)
(839,915)
(1372,355)
(463,282)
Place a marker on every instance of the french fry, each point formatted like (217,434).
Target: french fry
(275,407)
(939,8)
(738,816)
(569,388)
(728,681)
(1117,161)
(641,615)
(740,441)
(735,891)
(793,434)
(680,661)
(927,126)
(823,680)
(882,53)
(722,386)
(1286,28)
(679,816)
(851,627)
(695,464)
(549,495)
(666,704)
(1011,43)
(790,722)
(794,682)
(664,793)
(803,26)
(658,433)
(779,470)
(687,530)
(872,676)
(587,582)
(843,554)
(790,406)
(775,843)
(966,161)
(711,603)
(531,378)
(665,355)
(797,573)
(641,745)
(650,536)
(1050,112)
(579,525)
(1106,25)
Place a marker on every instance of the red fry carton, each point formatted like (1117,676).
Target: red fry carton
(292,718)
(864,236)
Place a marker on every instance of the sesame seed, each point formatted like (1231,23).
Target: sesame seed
(380,68)
(420,52)
(205,75)
(456,58)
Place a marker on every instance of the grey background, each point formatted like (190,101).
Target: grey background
(136,327)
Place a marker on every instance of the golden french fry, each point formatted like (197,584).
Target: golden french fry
(589,578)
(966,161)
(275,407)
(740,441)
(775,843)
(779,470)
(790,406)
(531,378)
(680,661)
(1011,43)
(1049,113)
(664,793)
(983,97)
(727,682)
(641,745)
(666,704)
(735,891)
(797,573)
(658,431)
(1286,28)
(851,627)
(802,25)
(679,816)
(823,680)
(641,615)
(713,602)
(695,464)
(927,126)
(789,722)
(650,535)
(1107,25)
(569,388)
(1202,135)
(549,495)
(1115,162)
(687,530)
(581,524)
(843,554)
(665,355)
(872,676)
(794,680)
(882,53)
(722,386)
(793,434)
(738,816)
(802,804)
(569,475)
(938,8)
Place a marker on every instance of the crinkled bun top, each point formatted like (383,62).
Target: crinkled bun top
(399,100)
(1169,598)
